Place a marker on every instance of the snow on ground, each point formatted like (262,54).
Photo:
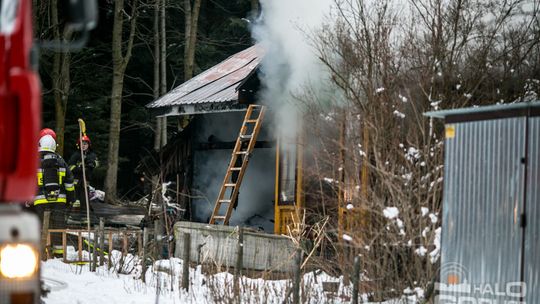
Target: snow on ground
(75,284)
(71,283)
(78,285)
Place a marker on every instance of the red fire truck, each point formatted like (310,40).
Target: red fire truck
(20,120)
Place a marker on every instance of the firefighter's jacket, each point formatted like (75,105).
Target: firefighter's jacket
(54,180)
(90,163)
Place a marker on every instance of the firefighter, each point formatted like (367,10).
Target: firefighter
(75,164)
(29,205)
(55,187)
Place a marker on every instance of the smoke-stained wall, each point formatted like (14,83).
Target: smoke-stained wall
(256,195)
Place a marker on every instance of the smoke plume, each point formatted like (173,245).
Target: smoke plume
(290,63)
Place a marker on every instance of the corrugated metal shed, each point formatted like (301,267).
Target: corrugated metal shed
(215,88)
(532,240)
(491,206)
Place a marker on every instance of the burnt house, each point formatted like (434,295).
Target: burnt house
(209,110)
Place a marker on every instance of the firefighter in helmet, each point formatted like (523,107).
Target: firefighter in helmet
(55,186)
(75,164)
(45,131)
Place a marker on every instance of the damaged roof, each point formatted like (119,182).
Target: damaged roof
(215,86)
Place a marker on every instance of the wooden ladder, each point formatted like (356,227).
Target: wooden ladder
(228,195)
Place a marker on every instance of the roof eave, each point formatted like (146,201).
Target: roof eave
(198,108)
(491,112)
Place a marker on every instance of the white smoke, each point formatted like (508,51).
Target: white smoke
(290,64)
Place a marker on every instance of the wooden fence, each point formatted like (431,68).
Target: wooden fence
(95,242)
(97,237)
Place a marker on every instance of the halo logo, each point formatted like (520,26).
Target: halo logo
(457,288)
(453,273)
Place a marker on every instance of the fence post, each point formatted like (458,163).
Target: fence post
(94,250)
(125,243)
(356,280)
(109,264)
(45,235)
(297,273)
(79,246)
(139,242)
(64,246)
(101,241)
(185,264)
(239,261)
(158,234)
(144,252)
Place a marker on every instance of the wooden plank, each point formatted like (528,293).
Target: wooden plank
(185,262)
(109,264)
(64,246)
(139,243)
(145,246)
(124,243)
(94,252)
(45,236)
(101,241)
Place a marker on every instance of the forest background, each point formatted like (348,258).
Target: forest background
(78,84)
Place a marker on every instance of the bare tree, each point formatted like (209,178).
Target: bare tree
(163,71)
(157,56)
(61,80)
(160,68)
(191,17)
(389,68)
(121,52)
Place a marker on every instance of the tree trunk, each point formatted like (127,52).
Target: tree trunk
(192,17)
(157,136)
(120,62)
(163,53)
(163,78)
(160,72)
(60,79)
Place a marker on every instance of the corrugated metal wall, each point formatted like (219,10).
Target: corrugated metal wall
(483,198)
(532,238)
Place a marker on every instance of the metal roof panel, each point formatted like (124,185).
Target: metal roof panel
(215,85)
(483,109)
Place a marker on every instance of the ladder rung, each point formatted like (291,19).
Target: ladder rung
(219,217)
(252,120)
(246,137)
(225,201)
(230,185)
(242,152)
(236,169)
